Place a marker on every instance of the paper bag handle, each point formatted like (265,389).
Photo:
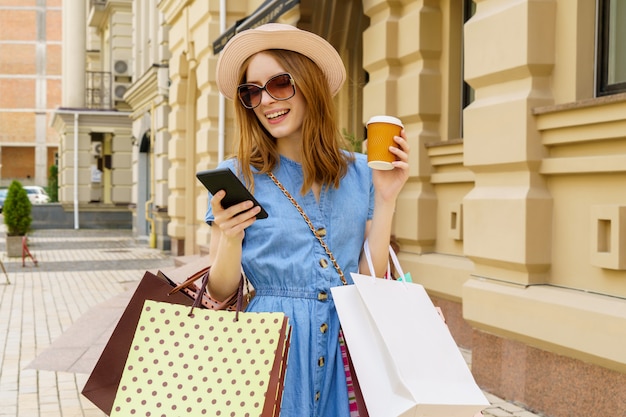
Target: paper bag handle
(394,258)
(235,298)
(226,303)
(190,280)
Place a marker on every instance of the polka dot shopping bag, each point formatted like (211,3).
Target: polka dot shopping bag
(209,363)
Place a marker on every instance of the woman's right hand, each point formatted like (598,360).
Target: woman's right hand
(233,221)
(225,247)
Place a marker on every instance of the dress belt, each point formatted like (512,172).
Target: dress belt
(321,295)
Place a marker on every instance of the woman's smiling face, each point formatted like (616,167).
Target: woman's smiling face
(281,118)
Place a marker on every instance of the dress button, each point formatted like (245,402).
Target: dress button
(320,361)
(322,296)
(317,396)
(321,232)
(324,328)
(323,263)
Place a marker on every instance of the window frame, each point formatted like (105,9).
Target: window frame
(603,87)
(467,93)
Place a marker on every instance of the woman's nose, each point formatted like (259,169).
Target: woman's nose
(266,98)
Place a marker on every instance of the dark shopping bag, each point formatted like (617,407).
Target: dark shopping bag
(103,381)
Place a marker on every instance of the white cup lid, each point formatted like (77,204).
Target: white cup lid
(385,119)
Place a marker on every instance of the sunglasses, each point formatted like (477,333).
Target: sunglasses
(279,87)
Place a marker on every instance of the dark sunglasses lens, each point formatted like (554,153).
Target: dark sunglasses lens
(280,87)
(250,95)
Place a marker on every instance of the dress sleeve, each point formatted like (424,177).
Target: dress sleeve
(364,178)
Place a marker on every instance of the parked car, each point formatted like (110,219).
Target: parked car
(37,194)
(3,195)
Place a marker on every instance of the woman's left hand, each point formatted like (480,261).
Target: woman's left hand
(388,184)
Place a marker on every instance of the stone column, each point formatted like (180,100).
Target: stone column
(74,17)
(509,56)
(404,81)
(41,99)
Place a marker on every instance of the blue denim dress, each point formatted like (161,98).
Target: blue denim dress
(291,272)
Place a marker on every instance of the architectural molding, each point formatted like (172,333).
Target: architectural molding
(171,9)
(574,323)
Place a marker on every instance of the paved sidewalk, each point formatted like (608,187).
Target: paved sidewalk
(56,317)
(77,271)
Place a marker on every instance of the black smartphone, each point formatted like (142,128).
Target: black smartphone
(224,179)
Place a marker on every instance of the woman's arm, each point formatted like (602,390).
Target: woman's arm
(387,186)
(227,233)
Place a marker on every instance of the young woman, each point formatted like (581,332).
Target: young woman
(282,81)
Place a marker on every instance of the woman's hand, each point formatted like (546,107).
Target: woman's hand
(227,233)
(388,184)
(233,221)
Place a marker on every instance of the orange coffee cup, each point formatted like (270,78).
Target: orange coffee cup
(380,133)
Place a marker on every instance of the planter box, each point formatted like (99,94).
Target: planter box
(14,246)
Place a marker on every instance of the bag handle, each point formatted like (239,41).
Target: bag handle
(235,299)
(203,288)
(396,264)
(310,224)
(394,259)
(190,280)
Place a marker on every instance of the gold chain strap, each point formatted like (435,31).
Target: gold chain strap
(310,224)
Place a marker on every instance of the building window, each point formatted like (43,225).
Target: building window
(467,92)
(469,9)
(611,59)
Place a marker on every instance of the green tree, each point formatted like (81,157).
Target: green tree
(17,210)
(53,184)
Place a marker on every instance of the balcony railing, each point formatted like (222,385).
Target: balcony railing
(98,90)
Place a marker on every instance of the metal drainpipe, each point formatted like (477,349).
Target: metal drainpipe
(76,226)
(190,148)
(221,129)
(149,213)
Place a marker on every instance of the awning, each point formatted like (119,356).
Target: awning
(267,12)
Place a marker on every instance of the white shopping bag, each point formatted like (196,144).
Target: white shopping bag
(406,361)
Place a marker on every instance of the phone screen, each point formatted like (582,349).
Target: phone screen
(236,192)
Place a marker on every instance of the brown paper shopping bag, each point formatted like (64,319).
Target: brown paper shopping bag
(207,363)
(102,384)
(104,379)
(406,360)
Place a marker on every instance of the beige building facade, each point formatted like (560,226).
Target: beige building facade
(514,217)
(93,121)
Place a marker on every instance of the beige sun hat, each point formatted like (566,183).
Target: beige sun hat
(277,36)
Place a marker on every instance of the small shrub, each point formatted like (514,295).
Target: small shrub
(355,144)
(53,184)
(17,210)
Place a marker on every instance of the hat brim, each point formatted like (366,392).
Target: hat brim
(277,36)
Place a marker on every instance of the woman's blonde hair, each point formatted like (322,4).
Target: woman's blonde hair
(324,158)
